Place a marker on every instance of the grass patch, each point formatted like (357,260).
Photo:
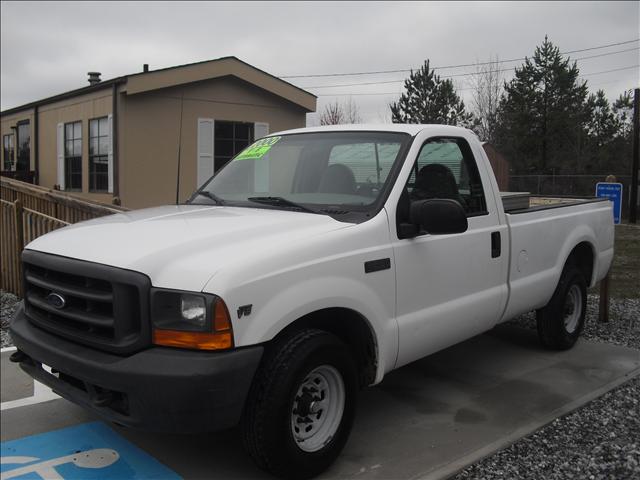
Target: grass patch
(625,271)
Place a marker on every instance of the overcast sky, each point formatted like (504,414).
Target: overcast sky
(47,48)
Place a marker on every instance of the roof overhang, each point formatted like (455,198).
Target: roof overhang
(228,66)
(184,74)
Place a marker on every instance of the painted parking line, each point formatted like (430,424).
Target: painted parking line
(41,393)
(88,451)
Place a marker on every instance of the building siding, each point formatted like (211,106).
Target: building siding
(148,165)
(85,108)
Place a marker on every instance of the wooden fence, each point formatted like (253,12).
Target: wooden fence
(28,211)
(54,203)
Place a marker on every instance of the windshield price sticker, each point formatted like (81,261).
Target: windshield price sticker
(258,149)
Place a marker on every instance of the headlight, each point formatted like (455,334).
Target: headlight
(190,320)
(193,309)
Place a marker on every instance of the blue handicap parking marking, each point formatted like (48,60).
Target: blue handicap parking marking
(87,451)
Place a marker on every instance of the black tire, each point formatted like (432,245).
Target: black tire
(571,293)
(267,420)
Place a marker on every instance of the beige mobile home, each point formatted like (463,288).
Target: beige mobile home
(117,140)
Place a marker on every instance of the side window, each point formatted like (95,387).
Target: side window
(446,168)
(7,151)
(73,156)
(99,155)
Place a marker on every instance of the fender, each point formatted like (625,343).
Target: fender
(532,284)
(301,299)
(601,250)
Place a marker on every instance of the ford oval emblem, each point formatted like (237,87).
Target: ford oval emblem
(56,300)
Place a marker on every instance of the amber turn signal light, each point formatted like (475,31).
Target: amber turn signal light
(221,319)
(220,339)
(196,340)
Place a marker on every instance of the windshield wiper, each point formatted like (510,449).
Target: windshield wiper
(281,202)
(211,196)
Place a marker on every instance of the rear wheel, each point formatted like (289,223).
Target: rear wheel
(301,406)
(561,321)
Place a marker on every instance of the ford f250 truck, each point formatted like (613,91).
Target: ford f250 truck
(312,264)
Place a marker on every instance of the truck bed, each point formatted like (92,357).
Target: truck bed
(542,237)
(523,202)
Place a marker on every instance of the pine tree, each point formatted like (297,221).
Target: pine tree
(429,99)
(543,114)
(602,126)
(619,151)
(602,130)
(623,112)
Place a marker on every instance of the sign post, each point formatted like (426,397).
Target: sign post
(612,191)
(633,204)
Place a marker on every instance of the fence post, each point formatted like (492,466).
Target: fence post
(603,313)
(633,204)
(19,244)
(19,227)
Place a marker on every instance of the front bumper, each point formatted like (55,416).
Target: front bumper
(158,389)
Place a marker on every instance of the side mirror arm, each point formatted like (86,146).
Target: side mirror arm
(407,230)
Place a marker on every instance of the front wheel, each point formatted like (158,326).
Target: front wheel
(301,405)
(561,321)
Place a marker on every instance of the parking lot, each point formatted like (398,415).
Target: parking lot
(427,420)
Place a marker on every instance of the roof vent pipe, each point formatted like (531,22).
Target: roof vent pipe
(94,77)
(145,68)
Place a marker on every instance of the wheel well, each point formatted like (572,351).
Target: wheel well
(582,257)
(352,328)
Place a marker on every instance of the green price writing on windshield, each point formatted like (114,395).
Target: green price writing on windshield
(258,149)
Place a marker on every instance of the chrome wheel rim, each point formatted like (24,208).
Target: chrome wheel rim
(317,408)
(572,309)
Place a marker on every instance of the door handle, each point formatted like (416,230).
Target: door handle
(496,246)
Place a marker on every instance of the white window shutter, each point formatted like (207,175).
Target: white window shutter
(261,167)
(260,130)
(110,156)
(205,150)
(60,151)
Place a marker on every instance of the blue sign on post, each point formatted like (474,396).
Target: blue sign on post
(612,191)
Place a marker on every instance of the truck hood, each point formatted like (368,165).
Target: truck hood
(182,246)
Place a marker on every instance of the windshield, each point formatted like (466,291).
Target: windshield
(312,171)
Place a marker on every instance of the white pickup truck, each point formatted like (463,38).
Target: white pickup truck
(313,263)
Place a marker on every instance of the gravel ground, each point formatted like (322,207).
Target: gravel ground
(599,441)
(8,303)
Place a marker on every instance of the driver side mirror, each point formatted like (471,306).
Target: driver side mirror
(439,216)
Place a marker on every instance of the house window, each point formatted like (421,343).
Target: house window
(230,139)
(99,155)
(7,152)
(23,160)
(73,156)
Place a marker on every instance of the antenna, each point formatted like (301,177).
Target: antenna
(179,150)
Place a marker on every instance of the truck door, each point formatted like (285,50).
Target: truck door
(449,287)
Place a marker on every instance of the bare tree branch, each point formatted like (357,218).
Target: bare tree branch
(340,114)
(351,111)
(487,84)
